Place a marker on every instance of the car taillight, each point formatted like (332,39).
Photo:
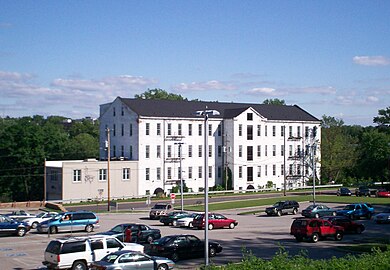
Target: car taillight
(58,258)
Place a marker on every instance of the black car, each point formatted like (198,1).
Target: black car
(140,233)
(171,218)
(283,207)
(344,192)
(365,191)
(184,246)
(9,226)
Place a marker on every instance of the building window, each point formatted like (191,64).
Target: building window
(147,174)
(249,174)
(122,111)
(282,150)
(219,150)
(265,131)
(200,129)
(273,131)
(126,174)
(179,172)
(258,171)
(169,151)
(169,172)
(190,151)
(113,111)
(114,150)
(210,151)
(249,116)
(122,150)
(199,151)
(219,130)
(189,172)
(249,152)
(299,154)
(298,131)
(76,175)
(147,131)
(266,150)
(290,172)
(298,169)
(249,132)
(210,129)
(179,129)
(282,131)
(200,172)
(290,134)
(282,169)
(239,171)
(189,129)
(113,130)
(158,130)
(210,172)
(240,130)
(290,151)
(147,151)
(259,150)
(274,169)
(131,152)
(169,129)
(131,130)
(258,130)
(158,151)
(306,132)
(122,129)
(158,173)
(266,170)
(147,192)
(274,150)
(240,151)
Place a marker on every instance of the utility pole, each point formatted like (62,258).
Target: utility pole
(108,169)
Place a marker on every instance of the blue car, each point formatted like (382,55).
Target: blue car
(12,227)
(357,210)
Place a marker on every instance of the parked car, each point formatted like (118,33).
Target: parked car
(383,193)
(170,218)
(70,221)
(357,210)
(349,225)
(20,215)
(382,217)
(9,226)
(34,221)
(78,253)
(215,221)
(125,259)
(365,191)
(186,221)
(140,233)
(283,207)
(185,246)
(160,209)
(344,192)
(315,229)
(318,210)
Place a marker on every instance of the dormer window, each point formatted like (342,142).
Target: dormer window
(249,116)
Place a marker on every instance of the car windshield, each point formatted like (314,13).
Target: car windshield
(159,206)
(311,207)
(278,203)
(349,207)
(118,229)
(110,258)
(41,215)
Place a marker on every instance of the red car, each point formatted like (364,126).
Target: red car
(349,225)
(215,221)
(315,229)
(383,193)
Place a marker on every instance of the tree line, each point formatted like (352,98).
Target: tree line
(350,155)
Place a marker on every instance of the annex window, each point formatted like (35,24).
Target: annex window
(179,130)
(122,129)
(266,150)
(273,131)
(282,128)
(239,171)
(274,169)
(219,130)
(147,174)
(113,111)
(169,151)
(189,172)
(265,131)
(282,150)
(249,152)
(249,132)
(210,129)
(131,130)
(200,172)
(259,150)
(282,169)
(273,150)
(200,129)
(258,171)
(291,169)
(147,128)
(249,174)
(190,151)
(240,151)
(76,175)
(147,151)
(240,130)
(199,151)
(122,111)
(298,131)
(158,151)
(249,116)
(290,151)
(169,131)
(210,172)
(258,130)
(158,130)
(290,132)
(189,129)
(169,172)
(158,173)
(126,174)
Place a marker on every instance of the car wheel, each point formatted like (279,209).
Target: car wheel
(317,215)
(315,237)
(299,238)
(232,225)
(190,225)
(34,225)
(212,252)
(338,236)
(162,266)
(295,211)
(89,228)
(279,213)
(149,239)
(211,226)
(79,265)
(21,232)
(175,257)
(53,230)
(358,230)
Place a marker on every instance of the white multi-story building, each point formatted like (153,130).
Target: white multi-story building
(252,145)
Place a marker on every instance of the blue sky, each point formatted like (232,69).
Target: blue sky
(67,57)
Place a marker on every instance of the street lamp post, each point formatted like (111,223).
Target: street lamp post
(206,114)
(181,177)
(108,169)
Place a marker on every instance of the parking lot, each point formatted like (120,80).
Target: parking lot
(261,234)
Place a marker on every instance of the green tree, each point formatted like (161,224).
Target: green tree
(383,117)
(159,94)
(338,149)
(274,101)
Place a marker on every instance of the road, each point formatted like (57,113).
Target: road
(260,234)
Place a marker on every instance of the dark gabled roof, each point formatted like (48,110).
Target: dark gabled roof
(183,108)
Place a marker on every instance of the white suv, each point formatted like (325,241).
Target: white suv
(78,253)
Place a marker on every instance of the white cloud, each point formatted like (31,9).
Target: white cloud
(372,99)
(323,90)
(205,86)
(371,60)
(262,91)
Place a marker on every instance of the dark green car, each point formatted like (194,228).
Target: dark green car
(318,210)
(172,217)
